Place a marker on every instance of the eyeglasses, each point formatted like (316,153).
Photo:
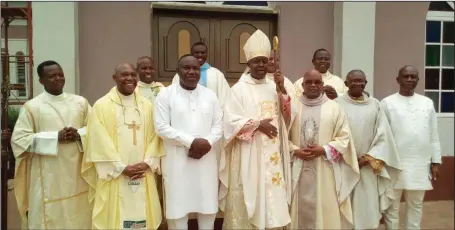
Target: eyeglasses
(315,82)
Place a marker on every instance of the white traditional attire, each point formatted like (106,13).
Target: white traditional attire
(373,140)
(329,79)
(415,129)
(322,186)
(191,185)
(255,173)
(48,182)
(120,132)
(149,91)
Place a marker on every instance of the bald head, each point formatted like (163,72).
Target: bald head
(312,73)
(122,67)
(407,68)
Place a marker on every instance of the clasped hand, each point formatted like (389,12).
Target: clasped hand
(268,129)
(136,171)
(68,134)
(199,148)
(310,152)
(330,92)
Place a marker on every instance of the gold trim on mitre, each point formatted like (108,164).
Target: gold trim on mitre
(258,45)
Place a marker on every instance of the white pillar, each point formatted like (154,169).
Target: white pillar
(354,34)
(55,37)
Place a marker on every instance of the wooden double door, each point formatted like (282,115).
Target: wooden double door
(224,34)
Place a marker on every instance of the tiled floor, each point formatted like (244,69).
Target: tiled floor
(436,215)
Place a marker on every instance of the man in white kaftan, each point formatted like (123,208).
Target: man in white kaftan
(122,153)
(255,173)
(188,114)
(46,141)
(375,146)
(333,85)
(324,168)
(412,118)
(147,86)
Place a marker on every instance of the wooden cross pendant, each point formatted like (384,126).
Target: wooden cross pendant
(134,127)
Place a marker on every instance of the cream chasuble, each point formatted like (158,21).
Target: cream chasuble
(149,91)
(254,174)
(329,79)
(373,139)
(48,182)
(415,129)
(322,186)
(120,132)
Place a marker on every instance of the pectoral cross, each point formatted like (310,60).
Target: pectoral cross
(134,127)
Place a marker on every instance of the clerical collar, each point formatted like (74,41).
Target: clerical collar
(146,85)
(129,100)
(365,98)
(313,102)
(55,97)
(326,75)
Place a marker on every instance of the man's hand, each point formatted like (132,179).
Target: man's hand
(435,170)
(330,92)
(304,154)
(268,129)
(72,134)
(362,161)
(279,81)
(136,171)
(317,150)
(199,148)
(62,134)
(310,152)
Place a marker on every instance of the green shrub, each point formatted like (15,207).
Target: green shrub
(13,115)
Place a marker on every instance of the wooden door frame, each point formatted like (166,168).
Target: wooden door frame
(213,17)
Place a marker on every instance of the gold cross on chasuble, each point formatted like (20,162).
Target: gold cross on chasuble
(134,127)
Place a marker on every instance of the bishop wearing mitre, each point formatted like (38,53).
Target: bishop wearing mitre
(255,172)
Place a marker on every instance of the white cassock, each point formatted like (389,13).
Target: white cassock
(149,91)
(48,182)
(191,185)
(373,139)
(329,79)
(415,129)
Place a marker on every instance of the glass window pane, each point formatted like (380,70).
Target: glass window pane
(434,96)
(439,6)
(432,79)
(448,76)
(447,105)
(447,56)
(448,32)
(432,55)
(433,31)
(246,3)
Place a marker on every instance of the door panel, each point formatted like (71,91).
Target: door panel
(174,39)
(234,34)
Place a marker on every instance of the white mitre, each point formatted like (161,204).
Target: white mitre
(258,45)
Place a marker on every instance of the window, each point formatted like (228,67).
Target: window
(20,73)
(439,57)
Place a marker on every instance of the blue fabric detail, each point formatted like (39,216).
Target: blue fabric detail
(204,68)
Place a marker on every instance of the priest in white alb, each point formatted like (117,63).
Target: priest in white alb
(333,85)
(324,162)
(377,155)
(255,172)
(412,118)
(47,143)
(122,154)
(147,86)
(189,120)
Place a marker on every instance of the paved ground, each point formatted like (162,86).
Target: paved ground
(436,215)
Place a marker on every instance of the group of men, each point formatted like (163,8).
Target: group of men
(319,154)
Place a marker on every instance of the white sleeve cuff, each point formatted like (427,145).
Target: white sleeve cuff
(109,170)
(82,131)
(187,140)
(45,143)
(328,153)
(154,164)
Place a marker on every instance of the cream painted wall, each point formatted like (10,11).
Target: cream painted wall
(354,28)
(55,37)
